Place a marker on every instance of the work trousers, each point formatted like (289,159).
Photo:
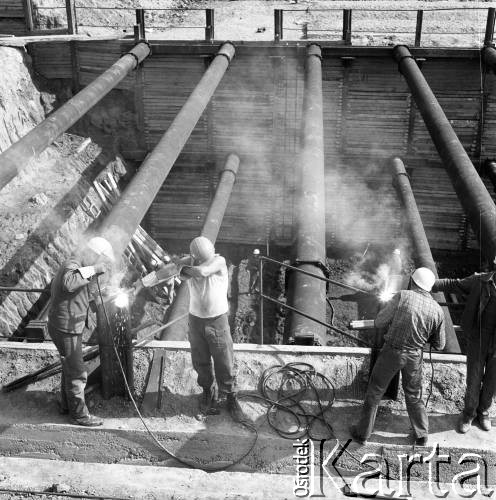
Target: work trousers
(389,362)
(74,375)
(481,374)
(210,339)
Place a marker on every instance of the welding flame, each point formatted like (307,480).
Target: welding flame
(122,300)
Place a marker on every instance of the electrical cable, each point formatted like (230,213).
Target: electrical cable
(188,463)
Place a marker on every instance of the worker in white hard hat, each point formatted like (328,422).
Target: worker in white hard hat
(412,318)
(69,317)
(209,331)
(478,326)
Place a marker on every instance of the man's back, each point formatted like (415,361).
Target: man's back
(412,318)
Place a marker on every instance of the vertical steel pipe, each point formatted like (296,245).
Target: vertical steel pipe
(473,195)
(121,223)
(308,294)
(211,227)
(422,251)
(17,156)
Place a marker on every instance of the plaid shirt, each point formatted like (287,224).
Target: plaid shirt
(412,317)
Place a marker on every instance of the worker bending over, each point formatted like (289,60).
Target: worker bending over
(412,318)
(69,317)
(479,326)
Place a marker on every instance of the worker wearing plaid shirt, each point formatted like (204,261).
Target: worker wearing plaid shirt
(412,318)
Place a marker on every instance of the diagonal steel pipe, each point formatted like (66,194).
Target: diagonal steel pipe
(473,195)
(308,294)
(121,223)
(17,156)
(422,250)
(210,230)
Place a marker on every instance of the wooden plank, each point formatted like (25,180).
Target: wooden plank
(21,41)
(150,402)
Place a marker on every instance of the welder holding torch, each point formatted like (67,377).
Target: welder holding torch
(412,318)
(209,331)
(70,316)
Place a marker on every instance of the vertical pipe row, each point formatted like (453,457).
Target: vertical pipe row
(422,251)
(473,195)
(309,294)
(210,230)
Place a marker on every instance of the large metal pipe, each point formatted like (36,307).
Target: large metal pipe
(473,195)
(489,57)
(308,294)
(422,251)
(17,156)
(210,230)
(121,223)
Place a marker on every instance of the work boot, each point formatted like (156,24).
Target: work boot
(86,421)
(209,404)
(63,410)
(356,436)
(237,413)
(464,423)
(484,422)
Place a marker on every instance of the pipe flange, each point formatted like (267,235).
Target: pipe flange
(314,49)
(401,52)
(227,56)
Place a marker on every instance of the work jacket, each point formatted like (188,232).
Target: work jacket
(70,300)
(478,289)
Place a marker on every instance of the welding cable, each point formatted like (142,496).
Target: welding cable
(188,463)
(301,380)
(329,303)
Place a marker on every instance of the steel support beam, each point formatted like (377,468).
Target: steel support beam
(308,294)
(210,230)
(422,251)
(473,195)
(17,156)
(121,223)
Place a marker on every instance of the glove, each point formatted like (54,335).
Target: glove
(101,267)
(137,286)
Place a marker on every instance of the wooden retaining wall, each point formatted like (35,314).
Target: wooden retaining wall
(369,116)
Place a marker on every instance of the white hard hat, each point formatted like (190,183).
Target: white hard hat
(424,278)
(202,249)
(101,246)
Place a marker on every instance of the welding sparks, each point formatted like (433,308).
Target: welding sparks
(386,295)
(122,300)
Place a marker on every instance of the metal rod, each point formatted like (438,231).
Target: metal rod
(17,156)
(418,27)
(308,294)
(318,276)
(278,24)
(473,195)
(347,26)
(491,17)
(261,305)
(422,250)
(70,9)
(307,316)
(210,230)
(209,25)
